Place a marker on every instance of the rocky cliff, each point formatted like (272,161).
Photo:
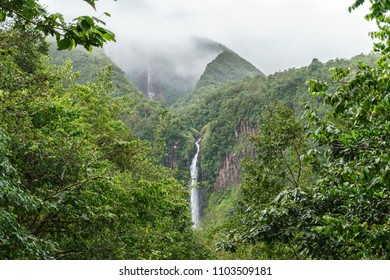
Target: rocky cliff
(229,172)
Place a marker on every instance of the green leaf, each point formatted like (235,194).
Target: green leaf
(64,44)
(99,20)
(2,16)
(88,47)
(85,26)
(107,35)
(91,2)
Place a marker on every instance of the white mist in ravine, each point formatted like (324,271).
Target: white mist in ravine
(195,201)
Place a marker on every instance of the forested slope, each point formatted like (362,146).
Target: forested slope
(148,119)
(75,181)
(296,164)
(227,67)
(89,64)
(315,187)
(227,114)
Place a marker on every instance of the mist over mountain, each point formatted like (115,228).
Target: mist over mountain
(166,72)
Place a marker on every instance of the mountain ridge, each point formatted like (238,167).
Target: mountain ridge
(227,67)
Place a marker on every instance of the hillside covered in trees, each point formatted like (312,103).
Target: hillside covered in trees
(293,165)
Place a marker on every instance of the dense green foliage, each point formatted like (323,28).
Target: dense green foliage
(148,119)
(90,169)
(345,212)
(225,114)
(75,182)
(84,30)
(89,64)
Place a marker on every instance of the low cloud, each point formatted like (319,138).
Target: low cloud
(273,35)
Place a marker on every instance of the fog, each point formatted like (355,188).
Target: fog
(174,67)
(272,35)
(187,57)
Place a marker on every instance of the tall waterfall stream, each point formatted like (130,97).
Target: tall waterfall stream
(195,193)
(150,92)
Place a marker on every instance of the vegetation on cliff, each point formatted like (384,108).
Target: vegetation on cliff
(296,163)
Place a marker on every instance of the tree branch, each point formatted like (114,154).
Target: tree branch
(73,185)
(292,180)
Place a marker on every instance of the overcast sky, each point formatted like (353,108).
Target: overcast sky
(272,34)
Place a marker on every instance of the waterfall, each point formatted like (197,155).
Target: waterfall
(195,200)
(149,82)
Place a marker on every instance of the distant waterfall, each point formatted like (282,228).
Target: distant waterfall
(149,84)
(195,194)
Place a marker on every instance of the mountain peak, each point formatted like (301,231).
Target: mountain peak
(227,67)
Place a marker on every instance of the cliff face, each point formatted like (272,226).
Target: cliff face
(229,172)
(173,160)
(244,130)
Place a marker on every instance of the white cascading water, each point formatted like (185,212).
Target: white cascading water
(150,92)
(195,201)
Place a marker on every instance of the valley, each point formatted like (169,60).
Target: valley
(225,107)
(187,152)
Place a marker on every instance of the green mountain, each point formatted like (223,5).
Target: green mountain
(228,114)
(147,118)
(90,64)
(167,73)
(225,107)
(227,67)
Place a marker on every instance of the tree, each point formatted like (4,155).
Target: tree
(345,213)
(354,165)
(84,30)
(277,167)
(74,182)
